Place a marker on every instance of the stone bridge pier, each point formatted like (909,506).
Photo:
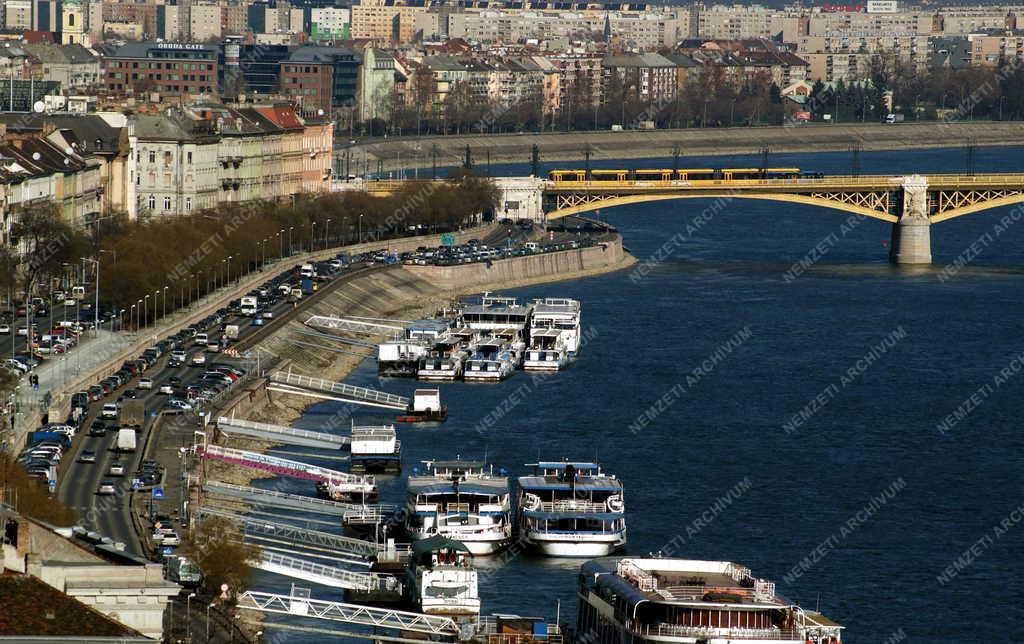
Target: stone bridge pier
(911,241)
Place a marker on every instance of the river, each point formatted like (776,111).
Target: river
(843,427)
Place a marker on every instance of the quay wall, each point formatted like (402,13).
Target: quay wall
(542,267)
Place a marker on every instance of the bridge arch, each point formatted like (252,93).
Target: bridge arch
(811,200)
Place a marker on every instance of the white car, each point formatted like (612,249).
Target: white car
(175,404)
(109,411)
(179,355)
(166,388)
(116,469)
(5,329)
(106,488)
(198,360)
(145,383)
(169,539)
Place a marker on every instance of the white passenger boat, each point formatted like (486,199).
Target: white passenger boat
(494,312)
(442,580)
(375,448)
(682,601)
(491,361)
(554,334)
(571,509)
(400,356)
(444,362)
(459,500)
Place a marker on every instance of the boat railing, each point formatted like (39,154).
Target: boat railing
(572,505)
(705,632)
(697,592)
(457,507)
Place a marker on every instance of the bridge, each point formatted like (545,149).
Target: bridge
(912,203)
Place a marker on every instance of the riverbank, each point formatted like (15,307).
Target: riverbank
(417,152)
(409,293)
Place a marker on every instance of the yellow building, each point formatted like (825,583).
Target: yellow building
(385,22)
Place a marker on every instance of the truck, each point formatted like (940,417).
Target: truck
(249,305)
(308,286)
(133,413)
(125,440)
(231,332)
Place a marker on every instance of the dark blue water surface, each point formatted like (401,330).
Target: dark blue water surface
(875,434)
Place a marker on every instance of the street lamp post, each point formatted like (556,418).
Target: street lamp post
(312,234)
(96,303)
(120,321)
(327,228)
(280,243)
(360,237)
(165,302)
(131,317)
(290,229)
(208,607)
(145,314)
(188,616)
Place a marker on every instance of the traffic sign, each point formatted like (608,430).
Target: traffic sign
(168,550)
(136,484)
(158,493)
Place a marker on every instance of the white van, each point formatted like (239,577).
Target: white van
(202,339)
(307,270)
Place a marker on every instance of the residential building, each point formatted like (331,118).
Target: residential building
(330,23)
(176,160)
(376,83)
(320,78)
(71,65)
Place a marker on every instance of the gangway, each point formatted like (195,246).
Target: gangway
(286,467)
(293,383)
(333,576)
(349,613)
(371,326)
(275,499)
(297,534)
(281,434)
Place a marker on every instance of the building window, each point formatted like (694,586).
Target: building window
(152,202)
(71,20)
(167,203)
(190,157)
(152,157)
(188,203)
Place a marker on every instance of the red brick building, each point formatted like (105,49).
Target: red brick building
(167,68)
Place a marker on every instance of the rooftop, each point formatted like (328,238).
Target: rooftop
(32,608)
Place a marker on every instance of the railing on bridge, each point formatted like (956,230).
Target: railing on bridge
(277,499)
(290,435)
(345,391)
(348,613)
(283,466)
(327,575)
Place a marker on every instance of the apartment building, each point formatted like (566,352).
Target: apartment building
(164,67)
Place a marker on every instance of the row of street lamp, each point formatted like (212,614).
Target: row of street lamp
(138,313)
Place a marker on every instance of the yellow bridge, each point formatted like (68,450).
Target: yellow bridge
(912,203)
(878,196)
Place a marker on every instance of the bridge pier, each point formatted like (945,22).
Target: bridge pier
(911,241)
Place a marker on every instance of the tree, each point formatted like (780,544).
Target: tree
(217,550)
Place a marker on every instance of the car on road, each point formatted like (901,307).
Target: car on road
(106,488)
(170,539)
(176,405)
(98,428)
(179,355)
(5,329)
(145,383)
(198,360)
(116,469)
(17,365)
(109,411)
(95,393)
(166,388)
(87,456)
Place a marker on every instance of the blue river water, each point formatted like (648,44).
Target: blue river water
(822,449)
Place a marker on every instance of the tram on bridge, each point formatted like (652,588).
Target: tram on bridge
(685,174)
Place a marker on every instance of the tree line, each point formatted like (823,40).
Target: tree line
(169,262)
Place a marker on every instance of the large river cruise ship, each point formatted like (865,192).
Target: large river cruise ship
(634,600)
